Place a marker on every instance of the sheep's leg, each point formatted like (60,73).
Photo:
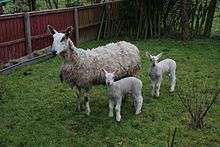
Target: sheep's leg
(118,109)
(172,81)
(86,98)
(78,93)
(139,102)
(111,107)
(153,87)
(158,83)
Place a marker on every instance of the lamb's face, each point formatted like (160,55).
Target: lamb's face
(60,40)
(109,78)
(153,59)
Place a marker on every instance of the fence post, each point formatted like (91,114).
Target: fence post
(27,29)
(76,19)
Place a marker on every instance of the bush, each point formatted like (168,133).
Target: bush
(18,6)
(198,100)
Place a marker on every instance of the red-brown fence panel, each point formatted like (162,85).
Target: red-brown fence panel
(12,41)
(89,21)
(59,19)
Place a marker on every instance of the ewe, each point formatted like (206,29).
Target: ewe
(82,68)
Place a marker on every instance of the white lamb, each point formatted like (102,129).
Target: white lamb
(157,70)
(119,89)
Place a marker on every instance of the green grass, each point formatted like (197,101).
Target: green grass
(38,110)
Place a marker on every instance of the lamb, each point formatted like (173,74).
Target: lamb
(157,70)
(119,89)
(81,68)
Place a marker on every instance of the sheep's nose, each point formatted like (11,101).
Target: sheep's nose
(108,83)
(54,52)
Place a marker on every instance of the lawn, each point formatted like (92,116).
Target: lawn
(38,110)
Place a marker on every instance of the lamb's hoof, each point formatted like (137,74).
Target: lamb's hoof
(87,113)
(171,90)
(110,115)
(118,119)
(157,96)
(138,112)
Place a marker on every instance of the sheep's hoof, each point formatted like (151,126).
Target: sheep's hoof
(152,94)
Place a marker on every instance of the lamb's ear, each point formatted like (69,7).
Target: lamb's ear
(51,30)
(147,55)
(68,31)
(159,55)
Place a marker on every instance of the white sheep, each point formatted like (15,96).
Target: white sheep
(82,68)
(157,70)
(117,90)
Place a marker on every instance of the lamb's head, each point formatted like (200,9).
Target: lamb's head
(109,77)
(61,41)
(153,59)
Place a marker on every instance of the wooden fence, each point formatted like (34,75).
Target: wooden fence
(21,34)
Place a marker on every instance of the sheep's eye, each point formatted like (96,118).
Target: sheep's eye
(62,39)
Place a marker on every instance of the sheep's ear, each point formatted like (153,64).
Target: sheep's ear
(115,71)
(159,55)
(68,31)
(51,30)
(104,70)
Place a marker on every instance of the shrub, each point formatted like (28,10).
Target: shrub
(198,100)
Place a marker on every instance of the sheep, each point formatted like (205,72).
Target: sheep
(81,68)
(117,90)
(157,70)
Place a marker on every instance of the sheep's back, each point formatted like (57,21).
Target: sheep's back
(121,56)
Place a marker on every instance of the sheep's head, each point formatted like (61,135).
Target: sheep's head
(153,59)
(60,40)
(109,77)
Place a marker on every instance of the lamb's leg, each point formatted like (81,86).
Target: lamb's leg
(139,102)
(78,93)
(153,87)
(86,98)
(172,81)
(157,87)
(118,109)
(111,107)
